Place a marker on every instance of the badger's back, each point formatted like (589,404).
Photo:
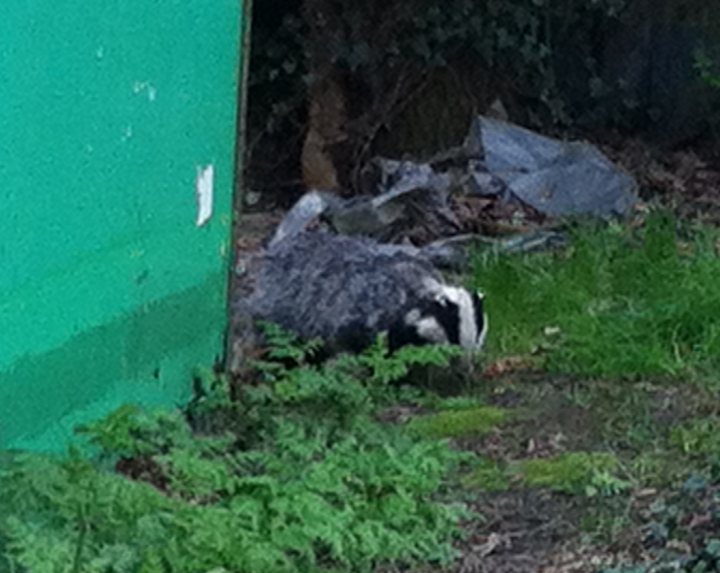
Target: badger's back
(342,289)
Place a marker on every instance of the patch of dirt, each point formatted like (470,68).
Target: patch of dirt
(256,228)
(145,469)
(530,532)
(520,531)
(526,530)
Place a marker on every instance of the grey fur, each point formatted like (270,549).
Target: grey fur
(344,289)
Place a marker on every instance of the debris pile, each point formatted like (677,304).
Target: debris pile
(505,181)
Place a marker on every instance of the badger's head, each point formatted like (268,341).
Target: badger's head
(447,315)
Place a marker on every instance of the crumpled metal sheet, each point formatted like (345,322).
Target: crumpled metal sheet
(552,176)
(308,208)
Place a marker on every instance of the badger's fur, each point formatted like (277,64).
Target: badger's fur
(347,290)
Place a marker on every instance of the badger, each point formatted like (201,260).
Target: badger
(346,290)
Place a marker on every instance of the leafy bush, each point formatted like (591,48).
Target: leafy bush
(376,43)
(307,481)
(706,67)
(544,59)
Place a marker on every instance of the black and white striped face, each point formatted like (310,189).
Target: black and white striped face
(463,315)
(453,316)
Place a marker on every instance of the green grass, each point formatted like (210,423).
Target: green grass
(625,302)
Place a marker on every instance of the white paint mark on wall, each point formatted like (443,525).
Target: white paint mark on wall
(204,192)
(127,133)
(140,87)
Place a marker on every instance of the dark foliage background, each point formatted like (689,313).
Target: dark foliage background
(335,82)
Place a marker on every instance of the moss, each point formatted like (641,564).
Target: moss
(572,472)
(487,476)
(459,423)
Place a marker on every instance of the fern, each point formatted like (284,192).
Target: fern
(130,431)
(286,346)
(384,368)
(295,476)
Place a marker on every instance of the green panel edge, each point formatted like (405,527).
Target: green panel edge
(96,357)
(151,337)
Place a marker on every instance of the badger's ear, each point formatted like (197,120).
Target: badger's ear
(480,294)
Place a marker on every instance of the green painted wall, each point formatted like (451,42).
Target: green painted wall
(110,291)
